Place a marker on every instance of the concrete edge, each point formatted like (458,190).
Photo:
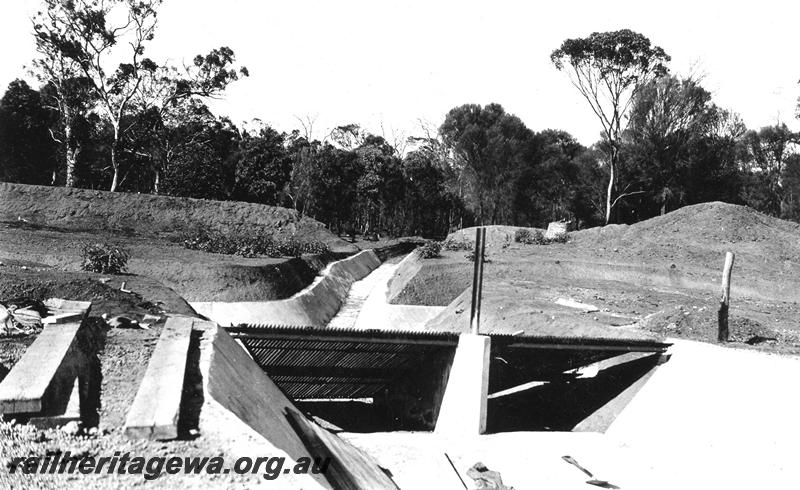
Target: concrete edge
(313,306)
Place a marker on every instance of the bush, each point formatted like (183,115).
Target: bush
(562,237)
(454,245)
(430,250)
(529,237)
(104,258)
(251,245)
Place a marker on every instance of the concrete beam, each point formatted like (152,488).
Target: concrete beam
(463,409)
(602,418)
(42,380)
(155,409)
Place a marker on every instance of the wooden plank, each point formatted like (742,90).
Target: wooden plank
(155,409)
(52,360)
(64,305)
(72,316)
(349,468)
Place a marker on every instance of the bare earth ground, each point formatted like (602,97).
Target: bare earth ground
(660,276)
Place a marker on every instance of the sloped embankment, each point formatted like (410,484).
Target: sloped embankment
(147,214)
(313,306)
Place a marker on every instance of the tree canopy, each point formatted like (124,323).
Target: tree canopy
(608,68)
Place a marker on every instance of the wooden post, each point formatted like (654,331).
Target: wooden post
(477,280)
(724,303)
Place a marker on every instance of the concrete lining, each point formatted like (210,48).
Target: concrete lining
(403,274)
(313,306)
(367,306)
(234,382)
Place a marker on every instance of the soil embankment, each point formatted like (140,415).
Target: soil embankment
(147,214)
(663,274)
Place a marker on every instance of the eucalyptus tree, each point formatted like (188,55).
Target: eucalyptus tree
(608,69)
(103,44)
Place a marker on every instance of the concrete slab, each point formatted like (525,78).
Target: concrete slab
(716,417)
(43,378)
(602,418)
(525,460)
(71,414)
(463,409)
(237,388)
(155,409)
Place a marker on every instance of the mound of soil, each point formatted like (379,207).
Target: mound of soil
(146,214)
(713,227)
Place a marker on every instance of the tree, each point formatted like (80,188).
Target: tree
(27,153)
(489,147)
(263,168)
(86,37)
(202,159)
(608,68)
(547,186)
(766,153)
(671,124)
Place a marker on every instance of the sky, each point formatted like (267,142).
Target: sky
(388,65)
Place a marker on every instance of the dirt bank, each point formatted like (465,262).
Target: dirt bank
(663,273)
(146,214)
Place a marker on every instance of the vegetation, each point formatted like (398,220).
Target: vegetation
(254,245)
(529,237)
(431,250)
(142,126)
(609,68)
(104,258)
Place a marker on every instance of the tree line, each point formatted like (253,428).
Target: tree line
(141,126)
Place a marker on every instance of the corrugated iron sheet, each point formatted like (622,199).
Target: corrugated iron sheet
(310,362)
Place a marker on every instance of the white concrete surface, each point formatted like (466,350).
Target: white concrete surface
(716,417)
(463,409)
(313,306)
(712,417)
(240,400)
(367,306)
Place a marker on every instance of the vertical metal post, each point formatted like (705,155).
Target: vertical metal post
(477,280)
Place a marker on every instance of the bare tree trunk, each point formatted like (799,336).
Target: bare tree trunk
(115,179)
(611,178)
(156,181)
(71,156)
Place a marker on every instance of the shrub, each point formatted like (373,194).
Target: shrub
(529,237)
(454,245)
(430,250)
(251,245)
(562,237)
(104,258)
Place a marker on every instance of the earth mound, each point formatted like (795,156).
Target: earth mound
(146,214)
(709,226)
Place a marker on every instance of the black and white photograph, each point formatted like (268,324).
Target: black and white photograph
(380,245)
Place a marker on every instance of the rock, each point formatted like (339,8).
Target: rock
(71,428)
